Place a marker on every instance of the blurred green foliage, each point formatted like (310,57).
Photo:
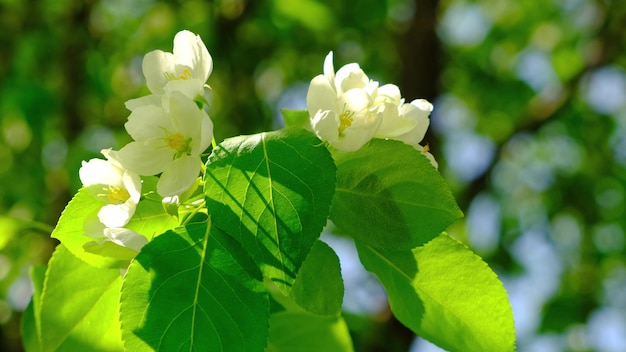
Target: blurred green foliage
(529,127)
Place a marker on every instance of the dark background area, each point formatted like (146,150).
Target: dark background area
(529,129)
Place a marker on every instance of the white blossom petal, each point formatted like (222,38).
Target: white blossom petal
(350,76)
(326,125)
(390,93)
(329,69)
(98,171)
(155,64)
(179,176)
(191,52)
(147,122)
(126,238)
(321,95)
(116,215)
(151,99)
(144,159)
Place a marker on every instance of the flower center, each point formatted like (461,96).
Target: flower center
(185,75)
(345,120)
(116,195)
(179,143)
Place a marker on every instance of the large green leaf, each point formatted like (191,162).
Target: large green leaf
(79,306)
(446,294)
(31,318)
(388,195)
(306,332)
(319,286)
(272,192)
(194,288)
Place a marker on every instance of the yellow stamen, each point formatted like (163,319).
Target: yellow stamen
(345,120)
(185,75)
(178,142)
(116,195)
(427,148)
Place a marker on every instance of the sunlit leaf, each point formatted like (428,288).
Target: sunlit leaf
(296,118)
(305,332)
(272,192)
(194,288)
(79,306)
(31,318)
(388,195)
(151,218)
(319,286)
(445,294)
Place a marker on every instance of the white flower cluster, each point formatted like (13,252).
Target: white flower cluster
(170,133)
(347,109)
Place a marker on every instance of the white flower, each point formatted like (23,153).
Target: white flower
(405,122)
(117,186)
(341,106)
(186,70)
(169,140)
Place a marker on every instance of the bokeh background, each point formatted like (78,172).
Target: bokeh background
(529,129)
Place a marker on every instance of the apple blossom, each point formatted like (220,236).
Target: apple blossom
(186,70)
(118,187)
(168,139)
(341,106)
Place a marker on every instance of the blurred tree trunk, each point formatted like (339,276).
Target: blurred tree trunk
(420,55)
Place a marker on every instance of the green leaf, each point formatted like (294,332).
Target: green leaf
(79,306)
(31,318)
(296,119)
(194,288)
(319,286)
(151,219)
(70,231)
(272,192)
(388,195)
(446,294)
(304,332)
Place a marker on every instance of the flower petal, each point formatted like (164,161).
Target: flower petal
(132,184)
(179,176)
(390,93)
(329,69)
(191,52)
(350,76)
(326,125)
(116,215)
(98,171)
(184,115)
(206,136)
(355,100)
(151,99)
(155,64)
(147,122)
(320,96)
(393,124)
(126,238)
(145,160)
(353,139)
(191,88)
